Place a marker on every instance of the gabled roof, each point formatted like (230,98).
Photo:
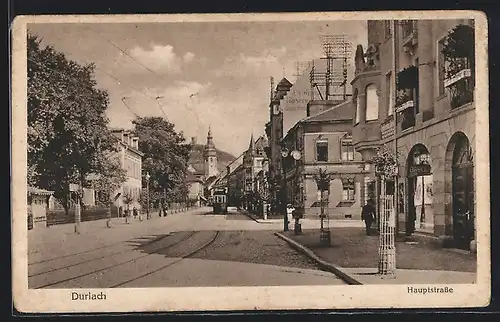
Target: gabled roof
(284,82)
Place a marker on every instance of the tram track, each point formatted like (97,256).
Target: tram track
(191,234)
(198,249)
(46,260)
(93,259)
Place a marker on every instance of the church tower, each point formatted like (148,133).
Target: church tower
(210,156)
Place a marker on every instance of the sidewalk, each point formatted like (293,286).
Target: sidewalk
(355,255)
(307,223)
(61,240)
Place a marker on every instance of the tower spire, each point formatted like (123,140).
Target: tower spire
(210,155)
(251,146)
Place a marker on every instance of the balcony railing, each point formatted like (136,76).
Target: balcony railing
(407,118)
(405,106)
(461,86)
(407,28)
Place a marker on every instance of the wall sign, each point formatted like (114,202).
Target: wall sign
(416,170)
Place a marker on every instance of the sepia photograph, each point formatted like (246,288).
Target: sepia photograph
(250,161)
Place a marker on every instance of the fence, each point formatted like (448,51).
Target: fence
(57,217)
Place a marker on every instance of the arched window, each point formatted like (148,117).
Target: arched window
(358,107)
(371,102)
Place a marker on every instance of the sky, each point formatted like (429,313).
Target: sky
(197,74)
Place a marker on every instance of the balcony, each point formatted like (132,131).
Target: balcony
(409,34)
(459,56)
(405,106)
(366,138)
(461,87)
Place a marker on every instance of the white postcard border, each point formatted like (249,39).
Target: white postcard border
(245,298)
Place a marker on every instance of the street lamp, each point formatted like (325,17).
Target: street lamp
(147,194)
(285,155)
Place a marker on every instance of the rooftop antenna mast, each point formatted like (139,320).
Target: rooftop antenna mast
(300,68)
(337,49)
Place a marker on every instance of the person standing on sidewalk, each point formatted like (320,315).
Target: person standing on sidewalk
(368,215)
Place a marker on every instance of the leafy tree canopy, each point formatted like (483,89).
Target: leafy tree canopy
(165,157)
(68,138)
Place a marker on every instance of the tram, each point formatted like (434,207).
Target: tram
(219,201)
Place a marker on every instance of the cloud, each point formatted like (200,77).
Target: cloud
(188,57)
(246,64)
(161,58)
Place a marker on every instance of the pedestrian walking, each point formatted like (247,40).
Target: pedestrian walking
(368,215)
(134,212)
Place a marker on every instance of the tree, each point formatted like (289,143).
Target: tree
(165,158)
(68,137)
(110,179)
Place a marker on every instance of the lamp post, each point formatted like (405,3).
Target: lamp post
(285,155)
(147,194)
(323,179)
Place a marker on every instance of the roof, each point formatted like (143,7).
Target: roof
(210,180)
(340,111)
(284,82)
(190,178)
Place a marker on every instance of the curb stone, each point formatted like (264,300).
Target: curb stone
(252,217)
(323,264)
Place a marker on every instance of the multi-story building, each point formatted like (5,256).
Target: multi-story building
(324,139)
(195,188)
(130,159)
(252,162)
(434,106)
(274,132)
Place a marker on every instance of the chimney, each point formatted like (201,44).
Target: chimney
(193,140)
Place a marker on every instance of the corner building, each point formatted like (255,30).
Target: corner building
(434,106)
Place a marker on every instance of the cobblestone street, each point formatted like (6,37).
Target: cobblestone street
(230,250)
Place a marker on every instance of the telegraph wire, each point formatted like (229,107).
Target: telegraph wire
(139,63)
(77,82)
